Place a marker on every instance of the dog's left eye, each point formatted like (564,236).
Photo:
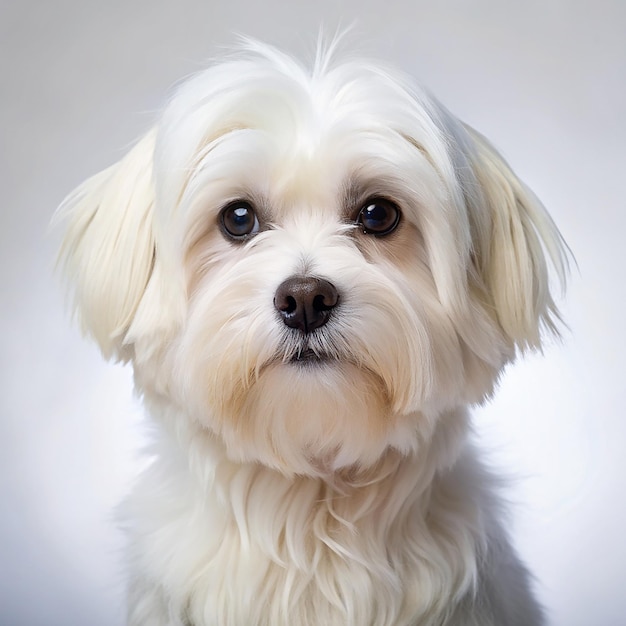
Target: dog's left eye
(239,220)
(379,216)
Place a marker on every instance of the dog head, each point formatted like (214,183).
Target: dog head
(314,266)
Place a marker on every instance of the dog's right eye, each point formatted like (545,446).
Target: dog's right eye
(239,220)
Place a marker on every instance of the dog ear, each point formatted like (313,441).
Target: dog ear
(514,245)
(108,250)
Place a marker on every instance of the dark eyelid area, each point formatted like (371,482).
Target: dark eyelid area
(358,192)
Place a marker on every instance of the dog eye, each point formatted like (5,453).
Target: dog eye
(239,220)
(379,216)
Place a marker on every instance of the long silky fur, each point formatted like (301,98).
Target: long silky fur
(343,492)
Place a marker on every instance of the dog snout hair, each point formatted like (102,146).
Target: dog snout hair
(305,302)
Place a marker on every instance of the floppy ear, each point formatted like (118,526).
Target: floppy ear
(108,248)
(516,242)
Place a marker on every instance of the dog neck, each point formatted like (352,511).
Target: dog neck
(409,524)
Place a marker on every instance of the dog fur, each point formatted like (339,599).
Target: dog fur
(322,475)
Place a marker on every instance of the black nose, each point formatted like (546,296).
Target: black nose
(305,302)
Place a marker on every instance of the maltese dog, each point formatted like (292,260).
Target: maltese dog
(314,274)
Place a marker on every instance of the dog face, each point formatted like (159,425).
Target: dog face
(313,267)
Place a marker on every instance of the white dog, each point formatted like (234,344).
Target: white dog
(314,274)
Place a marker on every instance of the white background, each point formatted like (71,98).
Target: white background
(80,80)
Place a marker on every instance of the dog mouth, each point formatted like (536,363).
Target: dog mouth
(308,356)
(314,349)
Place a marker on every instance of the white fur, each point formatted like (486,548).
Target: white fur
(344,492)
